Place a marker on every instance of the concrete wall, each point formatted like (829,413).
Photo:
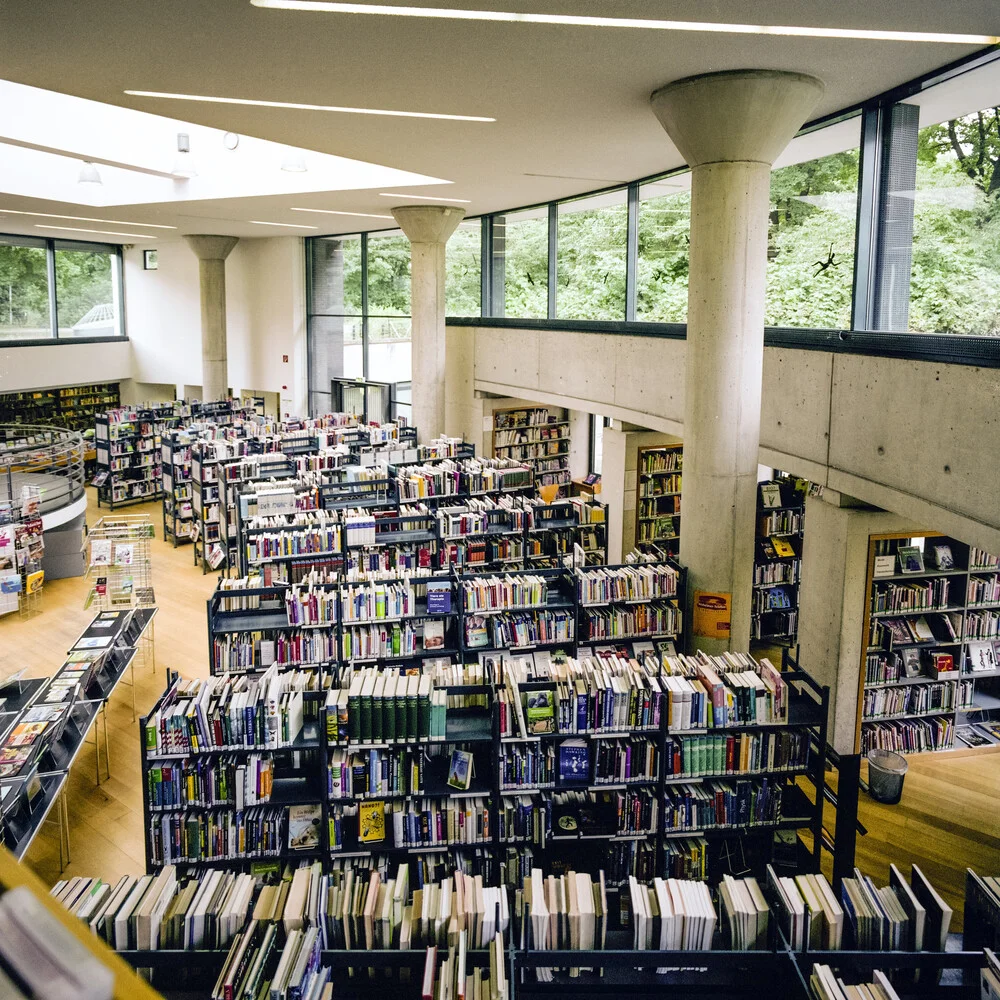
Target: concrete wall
(908,436)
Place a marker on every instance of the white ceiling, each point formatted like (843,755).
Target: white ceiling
(571,103)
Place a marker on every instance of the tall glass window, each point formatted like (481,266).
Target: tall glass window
(955,280)
(24,289)
(526,264)
(591,251)
(463,264)
(86,293)
(810,242)
(664,250)
(389,335)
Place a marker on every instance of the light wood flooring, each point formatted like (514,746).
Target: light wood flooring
(949,817)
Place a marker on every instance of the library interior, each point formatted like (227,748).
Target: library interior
(506,490)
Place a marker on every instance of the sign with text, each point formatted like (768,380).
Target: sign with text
(712,614)
(275,502)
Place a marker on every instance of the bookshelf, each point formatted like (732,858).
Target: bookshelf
(539,437)
(658,499)
(175,465)
(931,646)
(777,567)
(128,454)
(74,407)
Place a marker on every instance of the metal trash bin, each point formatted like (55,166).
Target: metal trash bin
(886,771)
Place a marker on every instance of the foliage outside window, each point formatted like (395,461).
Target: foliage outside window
(591,253)
(463,260)
(88,289)
(664,250)
(955,280)
(810,244)
(526,264)
(24,291)
(388,274)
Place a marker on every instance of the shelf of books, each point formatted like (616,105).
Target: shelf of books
(658,499)
(432,930)
(537,436)
(74,407)
(777,567)
(175,473)
(128,454)
(932,653)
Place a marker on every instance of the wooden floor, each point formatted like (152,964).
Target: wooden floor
(948,819)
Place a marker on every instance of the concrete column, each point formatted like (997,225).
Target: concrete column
(428,227)
(729,127)
(212,252)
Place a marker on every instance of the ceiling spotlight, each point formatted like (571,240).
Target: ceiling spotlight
(184,167)
(294,161)
(88,174)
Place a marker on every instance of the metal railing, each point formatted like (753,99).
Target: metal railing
(50,458)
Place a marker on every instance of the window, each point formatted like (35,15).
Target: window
(955,278)
(526,263)
(88,289)
(596,443)
(810,241)
(87,300)
(24,289)
(591,253)
(388,318)
(463,263)
(664,250)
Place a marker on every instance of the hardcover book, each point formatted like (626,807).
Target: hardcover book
(303,827)
(460,770)
(574,763)
(540,712)
(911,559)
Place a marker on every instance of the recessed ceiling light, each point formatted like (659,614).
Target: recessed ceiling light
(284,225)
(330,211)
(101,232)
(306,107)
(646,23)
(83,218)
(423,197)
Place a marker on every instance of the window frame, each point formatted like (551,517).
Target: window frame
(51,245)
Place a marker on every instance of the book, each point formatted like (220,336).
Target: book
(884,566)
(574,763)
(971,737)
(303,827)
(943,559)
(911,559)
(371,822)
(438,598)
(783,549)
(433,635)
(540,712)
(770,495)
(460,770)
(911,662)
(980,656)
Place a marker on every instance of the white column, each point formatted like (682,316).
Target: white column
(212,252)
(428,227)
(729,127)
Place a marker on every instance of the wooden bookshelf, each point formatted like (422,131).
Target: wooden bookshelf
(538,436)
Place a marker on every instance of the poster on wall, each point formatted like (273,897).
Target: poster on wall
(712,614)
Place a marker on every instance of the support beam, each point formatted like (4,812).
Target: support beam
(212,252)
(428,227)
(729,127)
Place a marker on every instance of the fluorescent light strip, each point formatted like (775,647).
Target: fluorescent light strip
(646,23)
(283,225)
(423,197)
(306,107)
(330,211)
(83,218)
(101,232)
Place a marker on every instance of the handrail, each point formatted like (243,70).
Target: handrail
(57,454)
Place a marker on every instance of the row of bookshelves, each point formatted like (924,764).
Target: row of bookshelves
(324,620)
(537,436)
(421,928)
(73,407)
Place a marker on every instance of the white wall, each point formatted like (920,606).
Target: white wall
(913,437)
(265,317)
(48,365)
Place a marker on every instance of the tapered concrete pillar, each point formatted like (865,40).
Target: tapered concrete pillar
(729,127)
(428,227)
(212,252)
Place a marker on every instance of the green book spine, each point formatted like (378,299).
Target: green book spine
(366,718)
(354,718)
(377,719)
(389,718)
(423,717)
(411,716)
(400,711)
